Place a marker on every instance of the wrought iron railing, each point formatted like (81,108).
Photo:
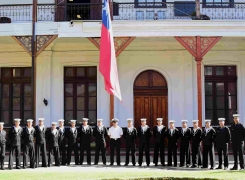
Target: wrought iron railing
(124,11)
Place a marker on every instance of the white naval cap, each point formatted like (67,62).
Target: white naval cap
(1,123)
(195,120)
(221,119)
(73,121)
(40,119)
(17,120)
(235,115)
(100,120)
(184,120)
(143,119)
(61,120)
(85,119)
(130,119)
(29,120)
(207,120)
(171,121)
(159,119)
(114,120)
(54,123)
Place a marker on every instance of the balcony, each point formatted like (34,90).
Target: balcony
(177,10)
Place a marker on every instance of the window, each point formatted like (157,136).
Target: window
(184,8)
(218,3)
(80,94)
(16,101)
(150,3)
(220,93)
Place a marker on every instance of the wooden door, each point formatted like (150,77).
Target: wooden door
(60,12)
(96,10)
(150,98)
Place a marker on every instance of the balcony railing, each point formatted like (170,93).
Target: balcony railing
(124,11)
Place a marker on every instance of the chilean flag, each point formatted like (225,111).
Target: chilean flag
(108,63)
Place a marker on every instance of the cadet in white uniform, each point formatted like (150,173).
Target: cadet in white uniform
(115,133)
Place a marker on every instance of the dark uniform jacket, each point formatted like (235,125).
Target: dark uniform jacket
(237,133)
(159,135)
(85,134)
(3,138)
(185,137)
(130,136)
(144,135)
(172,139)
(15,136)
(40,135)
(28,137)
(71,137)
(62,138)
(197,136)
(53,138)
(100,135)
(209,137)
(223,136)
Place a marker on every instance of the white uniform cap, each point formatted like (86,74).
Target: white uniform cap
(41,119)
(29,120)
(143,119)
(159,119)
(73,120)
(54,123)
(195,120)
(235,115)
(1,123)
(221,119)
(61,120)
(184,120)
(207,120)
(17,120)
(85,119)
(114,120)
(171,121)
(100,120)
(130,119)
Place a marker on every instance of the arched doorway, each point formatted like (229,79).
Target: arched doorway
(150,98)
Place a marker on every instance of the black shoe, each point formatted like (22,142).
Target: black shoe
(163,164)
(89,164)
(95,164)
(18,167)
(77,164)
(125,164)
(204,167)
(10,168)
(156,165)
(175,165)
(211,168)
(193,166)
(111,164)
(133,164)
(241,169)
(219,167)
(104,164)
(24,167)
(234,168)
(118,164)
(181,165)
(68,164)
(187,166)
(32,167)
(148,164)
(140,164)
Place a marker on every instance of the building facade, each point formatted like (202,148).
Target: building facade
(155,43)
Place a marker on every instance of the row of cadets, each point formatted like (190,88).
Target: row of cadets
(2,145)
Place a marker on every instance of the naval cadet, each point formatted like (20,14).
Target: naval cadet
(41,142)
(185,138)
(115,133)
(85,133)
(130,134)
(2,145)
(144,134)
(71,136)
(159,132)
(62,141)
(173,136)
(14,137)
(100,132)
(223,137)
(53,142)
(208,145)
(196,139)
(29,148)
(237,139)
